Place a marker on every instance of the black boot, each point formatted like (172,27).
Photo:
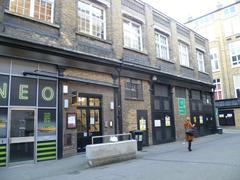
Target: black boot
(189,146)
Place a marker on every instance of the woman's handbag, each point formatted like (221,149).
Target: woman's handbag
(190,131)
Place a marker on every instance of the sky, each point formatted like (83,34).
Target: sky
(180,10)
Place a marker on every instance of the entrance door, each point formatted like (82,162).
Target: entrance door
(88,122)
(22,136)
(226,118)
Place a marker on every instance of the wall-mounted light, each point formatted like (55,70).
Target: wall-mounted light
(154,78)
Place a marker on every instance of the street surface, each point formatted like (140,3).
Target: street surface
(214,157)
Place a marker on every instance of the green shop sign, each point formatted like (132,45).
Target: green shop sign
(181,106)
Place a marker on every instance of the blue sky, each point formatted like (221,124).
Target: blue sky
(182,9)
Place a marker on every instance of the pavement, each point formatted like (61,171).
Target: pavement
(214,157)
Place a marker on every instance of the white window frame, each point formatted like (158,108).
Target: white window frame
(236,86)
(160,45)
(234,51)
(91,7)
(131,31)
(200,60)
(183,54)
(32,3)
(214,59)
(218,90)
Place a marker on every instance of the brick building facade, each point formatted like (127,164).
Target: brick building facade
(109,66)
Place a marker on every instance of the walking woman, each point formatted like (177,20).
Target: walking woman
(189,135)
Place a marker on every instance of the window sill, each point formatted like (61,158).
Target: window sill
(133,99)
(32,19)
(191,68)
(93,38)
(135,50)
(215,71)
(165,60)
(203,72)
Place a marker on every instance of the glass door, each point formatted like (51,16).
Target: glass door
(22,136)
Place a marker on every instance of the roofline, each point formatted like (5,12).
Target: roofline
(212,12)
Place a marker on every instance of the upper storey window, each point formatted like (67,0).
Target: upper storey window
(91,20)
(183,54)
(200,59)
(162,48)
(234,49)
(39,9)
(132,35)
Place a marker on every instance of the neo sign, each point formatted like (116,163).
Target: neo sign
(24,92)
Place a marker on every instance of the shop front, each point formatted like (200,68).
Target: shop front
(28,119)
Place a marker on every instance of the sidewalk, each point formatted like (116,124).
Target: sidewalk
(78,164)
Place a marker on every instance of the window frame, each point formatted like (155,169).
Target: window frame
(235,85)
(138,87)
(32,10)
(140,35)
(159,45)
(91,7)
(200,60)
(234,51)
(182,55)
(214,58)
(217,82)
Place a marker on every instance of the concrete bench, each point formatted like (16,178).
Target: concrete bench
(105,153)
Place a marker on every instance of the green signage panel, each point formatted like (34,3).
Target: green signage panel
(181,106)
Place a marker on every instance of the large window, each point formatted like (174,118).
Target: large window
(200,59)
(162,48)
(218,89)
(39,9)
(183,54)
(232,26)
(134,89)
(234,49)
(91,20)
(236,79)
(132,35)
(214,59)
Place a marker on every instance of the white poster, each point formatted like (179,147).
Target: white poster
(92,120)
(167,121)
(157,123)
(201,119)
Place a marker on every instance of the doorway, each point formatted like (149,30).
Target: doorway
(22,135)
(89,121)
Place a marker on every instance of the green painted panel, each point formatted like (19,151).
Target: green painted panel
(46,158)
(3,158)
(2,164)
(46,144)
(46,153)
(2,153)
(46,148)
(2,147)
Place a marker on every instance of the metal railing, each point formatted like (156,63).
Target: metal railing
(113,138)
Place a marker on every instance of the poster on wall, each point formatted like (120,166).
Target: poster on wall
(157,123)
(4,90)
(46,122)
(201,119)
(71,120)
(181,106)
(142,124)
(167,121)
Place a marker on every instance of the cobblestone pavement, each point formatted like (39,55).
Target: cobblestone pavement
(214,157)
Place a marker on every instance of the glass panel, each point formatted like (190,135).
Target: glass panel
(82,101)
(46,122)
(21,152)
(22,123)
(166,105)
(82,120)
(94,121)
(156,104)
